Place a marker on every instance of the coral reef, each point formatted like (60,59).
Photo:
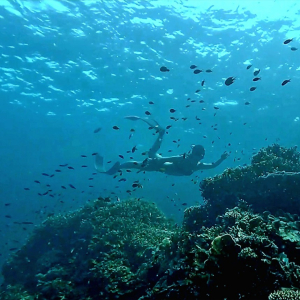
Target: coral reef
(98,250)
(271,182)
(244,243)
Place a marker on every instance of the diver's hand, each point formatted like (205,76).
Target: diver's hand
(224,155)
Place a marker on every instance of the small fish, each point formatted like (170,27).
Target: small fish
(256,78)
(201,101)
(184,204)
(116,127)
(27,223)
(45,174)
(169,126)
(229,80)
(122,179)
(7,204)
(197,71)
(285,82)
(95,153)
(51,175)
(172,110)
(120,155)
(147,113)
(58,171)
(253,88)
(208,71)
(84,166)
(63,165)
(202,83)
(13,249)
(64,187)
(197,91)
(247,103)
(97,130)
(82,155)
(256,72)
(164,69)
(133,149)
(45,193)
(151,102)
(294,48)
(215,107)
(287,41)
(71,168)
(8,216)
(26,189)
(72,186)
(248,67)
(193,67)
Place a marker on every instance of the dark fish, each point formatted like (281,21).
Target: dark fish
(285,82)
(147,113)
(58,171)
(36,181)
(294,48)
(208,71)
(13,249)
(84,166)
(121,156)
(82,155)
(8,216)
(193,67)
(63,165)
(97,130)
(197,71)
(252,88)
(91,178)
(201,101)
(164,69)
(72,186)
(51,175)
(197,91)
(95,153)
(63,187)
(202,83)
(287,41)
(116,127)
(172,110)
(45,193)
(256,78)
(133,149)
(184,204)
(169,126)
(27,223)
(26,189)
(256,72)
(45,174)
(7,204)
(71,168)
(229,80)
(247,103)
(122,179)
(215,107)
(248,67)
(150,102)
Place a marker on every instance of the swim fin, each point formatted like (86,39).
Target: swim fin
(100,168)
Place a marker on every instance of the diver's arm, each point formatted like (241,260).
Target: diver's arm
(205,166)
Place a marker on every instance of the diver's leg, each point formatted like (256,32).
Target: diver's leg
(153,150)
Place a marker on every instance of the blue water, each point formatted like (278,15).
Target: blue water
(69,67)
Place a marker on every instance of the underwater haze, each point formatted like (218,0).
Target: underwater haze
(71,71)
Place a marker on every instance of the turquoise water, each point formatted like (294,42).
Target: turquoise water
(70,67)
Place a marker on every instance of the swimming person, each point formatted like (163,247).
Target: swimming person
(180,165)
